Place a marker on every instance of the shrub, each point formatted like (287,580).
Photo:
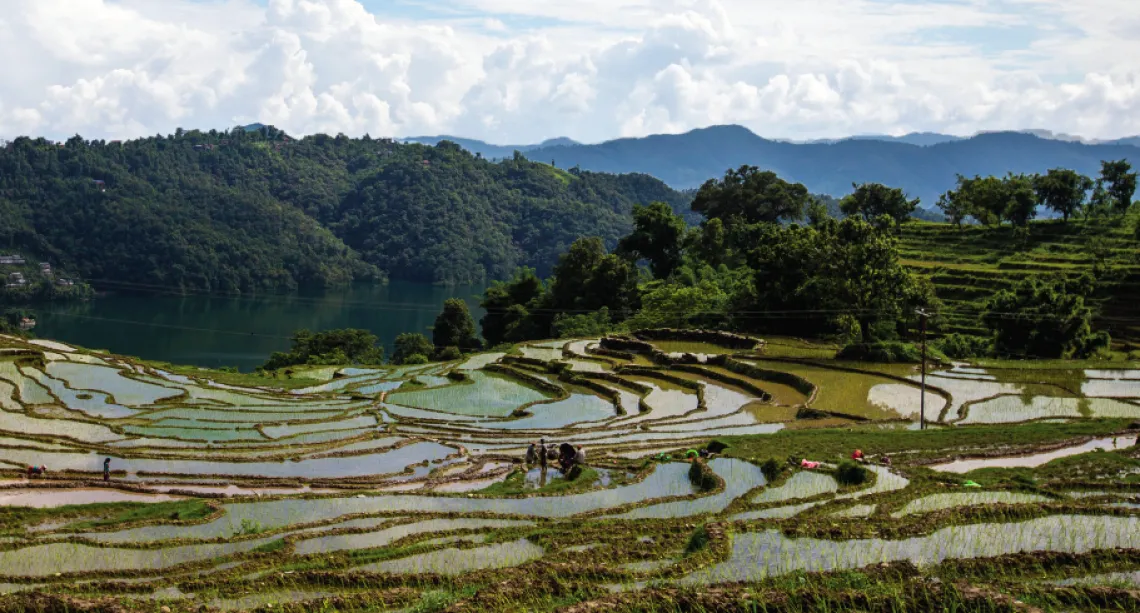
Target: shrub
(887,352)
(850,473)
(596,323)
(964,346)
(772,469)
(1045,318)
(416,358)
(698,540)
(848,330)
(702,476)
(449,353)
(410,344)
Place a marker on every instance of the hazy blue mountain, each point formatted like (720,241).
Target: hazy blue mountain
(687,160)
(488,150)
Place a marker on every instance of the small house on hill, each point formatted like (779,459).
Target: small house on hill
(100,184)
(12,260)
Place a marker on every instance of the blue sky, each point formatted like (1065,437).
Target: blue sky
(517,71)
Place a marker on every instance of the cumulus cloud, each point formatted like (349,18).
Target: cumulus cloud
(526,70)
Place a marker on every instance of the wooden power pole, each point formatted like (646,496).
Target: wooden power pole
(922,398)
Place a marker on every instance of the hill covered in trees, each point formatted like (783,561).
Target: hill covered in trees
(246,211)
(1051,289)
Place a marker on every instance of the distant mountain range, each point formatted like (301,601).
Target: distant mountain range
(487,150)
(924,164)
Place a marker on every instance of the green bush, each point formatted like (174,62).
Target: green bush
(887,352)
(772,469)
(702,476)
(850,473)
(410,344)
(583,325)
(698,541)
(448,354)
(416,358)
(964,346)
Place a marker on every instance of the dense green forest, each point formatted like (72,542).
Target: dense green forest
(751,266)
(242,211)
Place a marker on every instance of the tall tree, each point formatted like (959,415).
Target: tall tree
(1044,319)
(1119,183)
(838,267)
(1021,200)
(347,346)
(1062,190)
(752,196)
(454,327)
(411,344)
(954,205)
(586,278)
(508,308)
(657,236)
(872,200)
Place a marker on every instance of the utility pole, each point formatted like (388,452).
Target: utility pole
(922,398)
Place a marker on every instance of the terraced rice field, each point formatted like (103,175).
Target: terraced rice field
(393,488)
(967,265)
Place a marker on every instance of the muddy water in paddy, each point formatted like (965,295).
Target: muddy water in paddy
(327,468)
(803,484)
(457,561)
(938,502)
(41,560)
(739,477)
(326,544)
(1036,459)
(774,513)
(665,481)
(756,555)
(44,498)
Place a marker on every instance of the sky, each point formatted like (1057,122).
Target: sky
(521,71)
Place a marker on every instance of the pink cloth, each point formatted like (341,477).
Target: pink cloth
(807,464)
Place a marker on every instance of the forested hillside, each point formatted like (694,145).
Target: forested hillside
(247,211)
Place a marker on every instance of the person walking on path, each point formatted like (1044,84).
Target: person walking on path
(107,469)
(542,452)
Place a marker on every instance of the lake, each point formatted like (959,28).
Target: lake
(210,330)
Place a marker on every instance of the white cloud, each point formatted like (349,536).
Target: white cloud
(525,70)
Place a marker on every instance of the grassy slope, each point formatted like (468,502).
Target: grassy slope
(967,265)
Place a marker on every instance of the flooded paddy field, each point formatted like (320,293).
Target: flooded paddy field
(407,488)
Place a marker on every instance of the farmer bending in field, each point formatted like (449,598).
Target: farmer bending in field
(36,470)
(858,455)
(566,457)
(531,454)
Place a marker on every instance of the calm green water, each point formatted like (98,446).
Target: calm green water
(242,331)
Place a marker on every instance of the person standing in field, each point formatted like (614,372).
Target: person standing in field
(107,469)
